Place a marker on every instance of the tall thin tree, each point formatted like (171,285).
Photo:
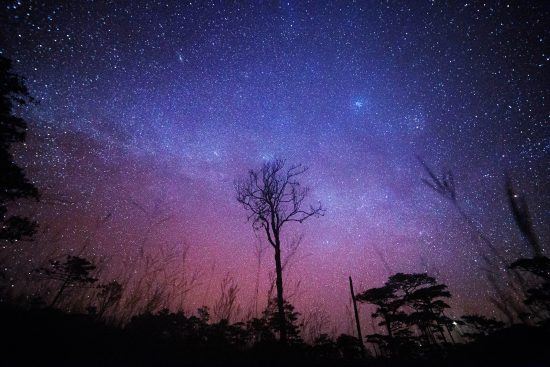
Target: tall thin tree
(14,184)
(273,197)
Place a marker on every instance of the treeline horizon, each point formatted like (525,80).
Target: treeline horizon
(409,316)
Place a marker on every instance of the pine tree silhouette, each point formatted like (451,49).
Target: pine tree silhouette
(13,183)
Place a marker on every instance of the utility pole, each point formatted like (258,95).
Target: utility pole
(357,323)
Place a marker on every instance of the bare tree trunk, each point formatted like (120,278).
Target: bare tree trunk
(388,326)
(442,333)
(357,323)
(450,334)
(58,295)
(280,299)
(392,347)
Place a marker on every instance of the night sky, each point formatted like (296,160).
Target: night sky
(148,112)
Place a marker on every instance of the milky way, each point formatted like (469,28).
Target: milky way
(149,111)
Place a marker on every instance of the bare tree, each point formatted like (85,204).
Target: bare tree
(273,197)
(315,323)
(226,307)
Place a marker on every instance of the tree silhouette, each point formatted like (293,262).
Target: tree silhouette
(387,306)
(274,197)
(350,347)
(388,309)
(260,331)
(404,302)
(421,293)
(292,325)
(480,326)
(428,305)
(324,347)
(73,272)
(13,183)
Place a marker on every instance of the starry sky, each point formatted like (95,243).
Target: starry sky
(148,111)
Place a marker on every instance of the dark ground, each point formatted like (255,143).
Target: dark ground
(47,337)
